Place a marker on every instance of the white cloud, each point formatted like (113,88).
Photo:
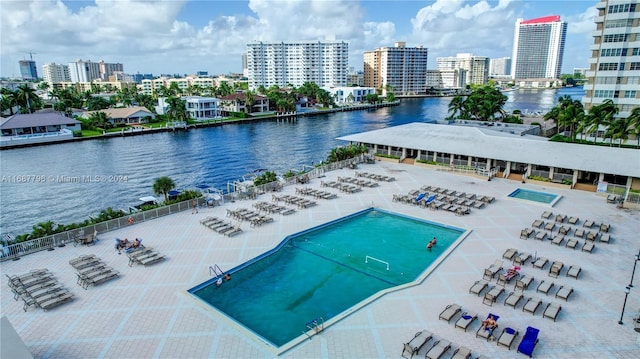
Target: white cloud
(582,23)
(448,27)
(154,36)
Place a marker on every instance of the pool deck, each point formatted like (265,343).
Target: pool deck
(146,313)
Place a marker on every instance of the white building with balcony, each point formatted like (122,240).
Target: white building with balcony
(346,95)
(324,63)
(55,73)
(202,108)
(614,66)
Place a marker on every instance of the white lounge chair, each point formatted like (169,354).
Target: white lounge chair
(574,271)
(438,350)
(465,320)
(551,311)
(416,343)
(564,292)
(478,287)
(450,311)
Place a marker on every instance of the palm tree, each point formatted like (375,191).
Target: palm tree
(177,109)
(224,89)
(27,98)
(456,106)
(9,100)
(43,229)
(163,185)
(99,119)
(602,114)
(249,99)
(619,130)
(634,123)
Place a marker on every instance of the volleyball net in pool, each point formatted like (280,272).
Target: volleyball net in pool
(354,259)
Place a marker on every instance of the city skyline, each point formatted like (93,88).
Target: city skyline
(188,36)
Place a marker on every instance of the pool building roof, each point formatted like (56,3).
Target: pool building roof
(485,143)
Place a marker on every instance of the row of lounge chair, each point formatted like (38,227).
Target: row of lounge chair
(374,176)
(429,201)
(453,193)
(39,288)
(571,243)
(294,200)
(541,262)
(506,338)
(92,271)
(317,194)
(343,187)
(531,304)
(273,208)
(221,226)
(144,256)
(564,230)
(435,350)
(562,218)
(357,182)
(243,214)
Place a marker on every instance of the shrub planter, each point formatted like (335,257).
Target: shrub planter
(387,159)
(548,184)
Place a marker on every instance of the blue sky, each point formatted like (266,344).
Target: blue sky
(187,36)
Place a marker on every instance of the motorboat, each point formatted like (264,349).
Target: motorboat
(143,201)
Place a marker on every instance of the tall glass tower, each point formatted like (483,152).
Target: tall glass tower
(28,69)
(538,47)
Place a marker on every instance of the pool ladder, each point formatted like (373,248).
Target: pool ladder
(216,271)
(314,326)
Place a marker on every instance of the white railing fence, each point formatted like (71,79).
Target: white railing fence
(14,251)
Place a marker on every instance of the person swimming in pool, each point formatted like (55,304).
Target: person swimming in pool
(431,243)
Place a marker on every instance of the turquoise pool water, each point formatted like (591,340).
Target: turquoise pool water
(325,271)
(535,196)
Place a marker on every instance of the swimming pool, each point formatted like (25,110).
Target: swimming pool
(327,272)
(535,196)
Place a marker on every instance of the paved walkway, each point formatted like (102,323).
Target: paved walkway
(146,313)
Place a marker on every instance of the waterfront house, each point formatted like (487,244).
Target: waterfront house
(127,115)
(237,103)
(343,95)
(47,126)
(202,108)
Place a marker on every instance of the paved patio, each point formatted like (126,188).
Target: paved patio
(146,313)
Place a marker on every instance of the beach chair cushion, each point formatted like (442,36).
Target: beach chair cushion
(529,341)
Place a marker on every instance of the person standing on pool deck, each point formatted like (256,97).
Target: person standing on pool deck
(194,203)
